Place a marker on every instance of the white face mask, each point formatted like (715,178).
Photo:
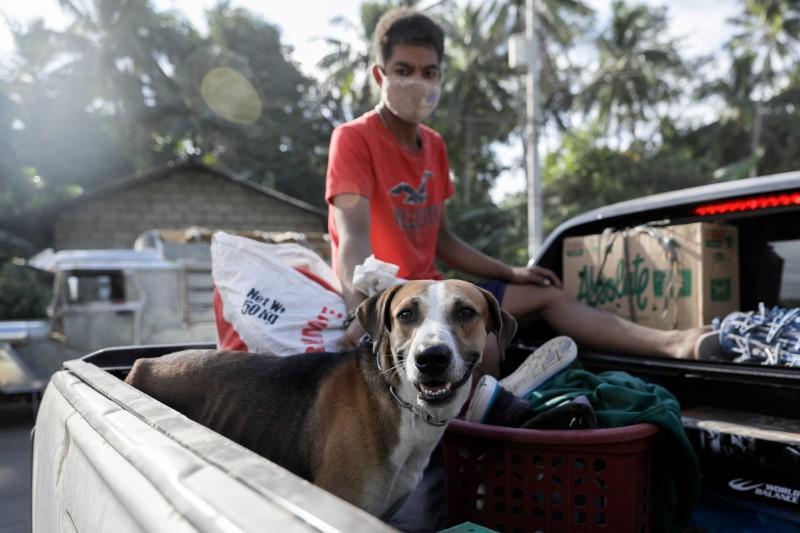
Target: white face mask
(413,100)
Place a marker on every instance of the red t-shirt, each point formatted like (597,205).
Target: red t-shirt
(406,191)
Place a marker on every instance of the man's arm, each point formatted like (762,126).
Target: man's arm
(462,256)
(352,218)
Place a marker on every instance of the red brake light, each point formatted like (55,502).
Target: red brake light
(749,204)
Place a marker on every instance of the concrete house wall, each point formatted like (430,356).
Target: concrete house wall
(178,198)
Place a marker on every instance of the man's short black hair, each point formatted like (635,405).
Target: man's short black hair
(405,26)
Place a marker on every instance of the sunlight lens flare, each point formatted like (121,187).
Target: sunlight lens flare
(230,95)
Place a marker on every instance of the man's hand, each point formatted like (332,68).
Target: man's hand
(352,335)
(534,275)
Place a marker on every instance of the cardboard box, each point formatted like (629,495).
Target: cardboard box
(674,277)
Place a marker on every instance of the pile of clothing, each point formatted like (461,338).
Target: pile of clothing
(550,390)
(620,399)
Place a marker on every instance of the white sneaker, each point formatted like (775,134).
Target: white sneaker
(482,398)
(548,359)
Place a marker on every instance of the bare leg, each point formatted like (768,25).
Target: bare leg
(595,328)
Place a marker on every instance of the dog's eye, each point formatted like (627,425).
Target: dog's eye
(405,315)
(466,313)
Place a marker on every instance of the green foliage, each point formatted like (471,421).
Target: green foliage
(764,51)
(346,68)
(128,86)
(584,173)
(344,62)
(562,24)
(480,105)
(286,146)
(12,247)
(477,106)
(767,32)
(24,293)
(122,89)
(639,69)
(499,231)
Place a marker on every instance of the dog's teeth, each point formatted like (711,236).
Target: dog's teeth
(432,392)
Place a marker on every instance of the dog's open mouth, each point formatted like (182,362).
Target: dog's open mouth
(435,391)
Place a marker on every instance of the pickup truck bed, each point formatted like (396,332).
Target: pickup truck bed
(742,418)
(141,466)
(110,458)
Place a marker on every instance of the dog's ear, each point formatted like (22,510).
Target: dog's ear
(374,314)
(503,324)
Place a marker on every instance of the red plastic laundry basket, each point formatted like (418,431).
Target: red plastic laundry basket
(526,480)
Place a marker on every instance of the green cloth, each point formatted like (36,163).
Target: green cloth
(620,399)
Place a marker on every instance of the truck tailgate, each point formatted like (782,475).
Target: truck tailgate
(109,458)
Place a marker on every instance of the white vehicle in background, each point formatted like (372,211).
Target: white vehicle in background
(158,292)
(123,297)
(147,295)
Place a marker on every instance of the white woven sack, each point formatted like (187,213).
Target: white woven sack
(268,301)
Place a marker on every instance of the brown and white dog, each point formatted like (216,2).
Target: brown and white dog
(360,424)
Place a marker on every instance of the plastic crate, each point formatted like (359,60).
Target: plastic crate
(523,480)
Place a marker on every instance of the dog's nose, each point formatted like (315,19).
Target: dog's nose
(434,360)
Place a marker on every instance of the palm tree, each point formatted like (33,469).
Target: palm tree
(768,40)
(638,68)
(481,101)
(478,103)
(735,88)
(561,23)
(348,63)
(123,54)
(148,84)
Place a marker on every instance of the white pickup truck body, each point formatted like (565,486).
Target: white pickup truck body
(108,458)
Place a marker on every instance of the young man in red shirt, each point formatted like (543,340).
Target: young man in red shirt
(387,183)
